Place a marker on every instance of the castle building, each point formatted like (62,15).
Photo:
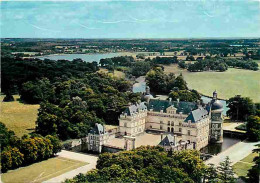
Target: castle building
(185,125)
(192,123)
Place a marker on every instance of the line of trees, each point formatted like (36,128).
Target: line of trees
(243,109)
(219,64)
(16,152)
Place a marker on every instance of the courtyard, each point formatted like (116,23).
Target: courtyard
(140,140)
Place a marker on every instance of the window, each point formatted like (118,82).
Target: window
(179,129)
(172,129)
(179,124)
(151,126)
(172,123)
(161,122)
(125,125)
(168,122)
(161,127)
(188,132)
(168,129)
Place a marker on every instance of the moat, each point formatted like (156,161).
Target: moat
(214,149)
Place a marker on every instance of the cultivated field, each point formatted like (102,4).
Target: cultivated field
(228,84)
(18,117)
(44,170)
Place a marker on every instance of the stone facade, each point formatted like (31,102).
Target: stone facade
(194,125)
(132,121)
(96,138)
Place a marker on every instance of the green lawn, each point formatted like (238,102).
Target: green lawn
(18,117)
(241,168)
(228,84)
(41,171)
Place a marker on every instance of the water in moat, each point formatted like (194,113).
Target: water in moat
(214,149)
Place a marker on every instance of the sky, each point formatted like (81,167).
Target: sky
(130,19)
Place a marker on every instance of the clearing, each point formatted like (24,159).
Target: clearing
(116,73)
(18,116)
(228,84)
(41,171)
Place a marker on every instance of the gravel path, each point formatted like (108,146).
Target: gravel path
(235,153)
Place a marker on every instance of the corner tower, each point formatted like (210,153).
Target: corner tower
(216,125)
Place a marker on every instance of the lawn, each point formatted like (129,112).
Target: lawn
(116,73)
(228,84)
(241,168)
(41,171)
(18,117)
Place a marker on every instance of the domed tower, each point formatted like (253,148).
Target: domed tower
(216,126)
(147,96)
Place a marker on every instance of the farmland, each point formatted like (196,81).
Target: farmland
(228,84)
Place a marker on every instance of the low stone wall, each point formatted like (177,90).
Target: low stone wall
(111,149)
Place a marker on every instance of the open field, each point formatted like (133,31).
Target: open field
(18,117)
(241,168)
(228,84)
(41,171)
(117,74)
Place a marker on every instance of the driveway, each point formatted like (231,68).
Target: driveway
(89,158)
(235,153)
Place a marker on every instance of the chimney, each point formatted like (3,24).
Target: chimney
(175,140)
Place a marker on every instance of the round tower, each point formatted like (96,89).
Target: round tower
(216,125)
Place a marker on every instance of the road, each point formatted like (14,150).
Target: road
(235,153)
(89,158)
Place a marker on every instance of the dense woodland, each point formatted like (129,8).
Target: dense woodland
(153,164)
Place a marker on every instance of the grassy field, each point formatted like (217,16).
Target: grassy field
(117,74)
(228,84)
(18,117)
(241,168)
(41,171)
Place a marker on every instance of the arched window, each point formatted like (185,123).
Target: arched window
(172,130)
(169,129)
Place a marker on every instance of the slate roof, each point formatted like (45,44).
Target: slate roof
(98,129)
(184,107)
(167,141)
(216,105)
(135,108)
(197,115)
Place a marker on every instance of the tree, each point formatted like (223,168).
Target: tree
(11,158)
(211,174)
(146,164)
(254,172)
(240,108)
(225,171)
(253,128)
(34,92)
(7,137)
(185,95)
(180,83)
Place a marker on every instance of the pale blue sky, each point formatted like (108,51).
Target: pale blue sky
(130,19)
